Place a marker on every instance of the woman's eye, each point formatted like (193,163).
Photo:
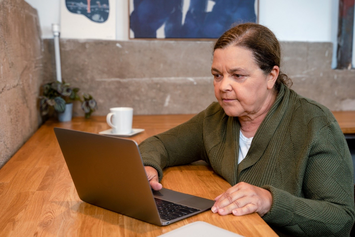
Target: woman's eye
(217,76)
(239,76)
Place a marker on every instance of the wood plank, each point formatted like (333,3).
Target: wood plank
(346,120)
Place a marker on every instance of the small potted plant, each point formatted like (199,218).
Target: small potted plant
(57,97)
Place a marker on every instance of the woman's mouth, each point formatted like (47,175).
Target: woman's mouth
(227,100)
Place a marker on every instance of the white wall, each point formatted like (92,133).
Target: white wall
(48,12)
(290,20)
(301,20)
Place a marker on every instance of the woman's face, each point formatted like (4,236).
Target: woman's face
(240,86)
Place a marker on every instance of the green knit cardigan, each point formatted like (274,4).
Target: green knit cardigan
(298,153)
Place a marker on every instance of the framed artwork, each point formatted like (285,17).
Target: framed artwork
(188,19)
(88,19)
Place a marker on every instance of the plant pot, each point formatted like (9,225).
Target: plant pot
(67,114)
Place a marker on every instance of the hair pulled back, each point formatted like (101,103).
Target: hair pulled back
(263,44)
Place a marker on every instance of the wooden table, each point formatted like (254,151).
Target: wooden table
(346,120)
(38,197)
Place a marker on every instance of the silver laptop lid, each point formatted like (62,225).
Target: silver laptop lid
(108,172)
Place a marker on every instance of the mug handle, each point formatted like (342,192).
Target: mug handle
(108,120)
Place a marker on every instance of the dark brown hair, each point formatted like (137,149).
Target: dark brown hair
(263,44)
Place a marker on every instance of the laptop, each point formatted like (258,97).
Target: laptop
(108,172)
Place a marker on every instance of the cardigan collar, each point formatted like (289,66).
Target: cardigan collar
(266,130)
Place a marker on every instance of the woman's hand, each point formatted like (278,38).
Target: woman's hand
(242,199)
(152,175)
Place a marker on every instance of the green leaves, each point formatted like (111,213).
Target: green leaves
(89,105)
(56,94)
(59,104)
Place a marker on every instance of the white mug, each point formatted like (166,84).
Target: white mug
(121,120)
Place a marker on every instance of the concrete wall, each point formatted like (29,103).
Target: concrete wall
(20,75)
(159,77)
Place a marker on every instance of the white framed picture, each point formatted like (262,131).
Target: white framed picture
(88,19)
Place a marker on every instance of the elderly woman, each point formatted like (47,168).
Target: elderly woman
(284,155)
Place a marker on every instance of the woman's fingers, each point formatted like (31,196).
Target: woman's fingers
(243,199)
(155,185)
(152,175)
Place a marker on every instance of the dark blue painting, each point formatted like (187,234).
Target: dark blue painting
(188,18)
(96,10)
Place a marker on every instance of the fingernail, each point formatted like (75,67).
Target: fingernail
(214,209)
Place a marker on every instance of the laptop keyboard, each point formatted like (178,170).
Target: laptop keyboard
(169,211)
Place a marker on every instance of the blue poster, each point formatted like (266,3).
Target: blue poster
(96,10)
(188,18)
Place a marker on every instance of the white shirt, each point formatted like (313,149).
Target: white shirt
(244,145)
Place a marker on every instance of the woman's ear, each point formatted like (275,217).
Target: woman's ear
(272,77)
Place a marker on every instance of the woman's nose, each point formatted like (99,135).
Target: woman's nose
(225,84)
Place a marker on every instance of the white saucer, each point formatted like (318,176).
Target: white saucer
(134,132)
